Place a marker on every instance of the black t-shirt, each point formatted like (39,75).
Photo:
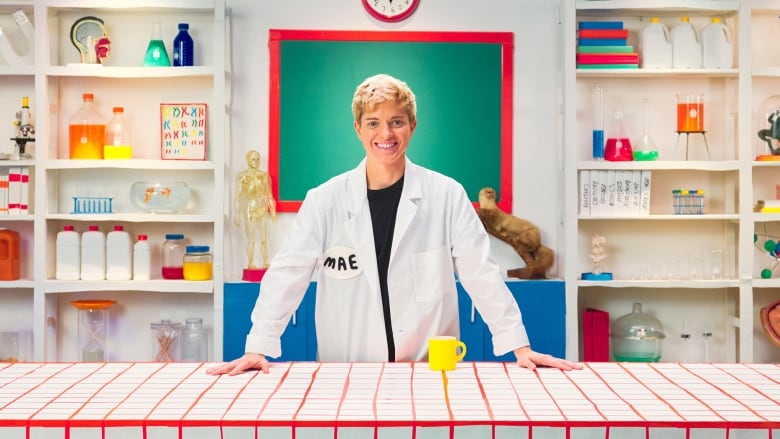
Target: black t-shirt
(383,204)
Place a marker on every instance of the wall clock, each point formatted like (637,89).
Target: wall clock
(390,10)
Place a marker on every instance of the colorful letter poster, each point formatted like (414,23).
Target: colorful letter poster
(183,131)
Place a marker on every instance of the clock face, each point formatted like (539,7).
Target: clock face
(390,10)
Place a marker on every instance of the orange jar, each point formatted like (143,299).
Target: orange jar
(9,255)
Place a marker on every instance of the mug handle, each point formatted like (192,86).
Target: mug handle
(462,353)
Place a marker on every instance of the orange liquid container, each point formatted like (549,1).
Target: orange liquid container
(690,113)
(9,255)
(86,131)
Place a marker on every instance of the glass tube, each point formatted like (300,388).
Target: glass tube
(598,123)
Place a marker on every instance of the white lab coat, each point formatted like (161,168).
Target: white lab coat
(437,233)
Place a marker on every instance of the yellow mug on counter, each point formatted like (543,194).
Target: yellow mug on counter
(443,352)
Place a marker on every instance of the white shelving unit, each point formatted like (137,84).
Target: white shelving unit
(55,84)
(643,250)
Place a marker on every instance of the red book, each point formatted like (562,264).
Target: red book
(595,335)
(602,33)
(607,58)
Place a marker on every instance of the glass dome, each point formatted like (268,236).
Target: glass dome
(637,337)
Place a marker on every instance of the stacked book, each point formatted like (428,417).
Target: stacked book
(604,45)
(14,191)
(595,335)
(615,192)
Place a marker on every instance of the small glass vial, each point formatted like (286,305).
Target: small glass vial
(194,341)
(173,256)
(166,335)
(197,263)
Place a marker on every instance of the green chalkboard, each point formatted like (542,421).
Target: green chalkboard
(463,98)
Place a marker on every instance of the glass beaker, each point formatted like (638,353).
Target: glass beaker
(166,335)
(690,112)
(93,328)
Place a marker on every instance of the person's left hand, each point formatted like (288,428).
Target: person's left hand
(530,359)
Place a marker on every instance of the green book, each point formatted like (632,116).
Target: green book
(605,49)
(607,66)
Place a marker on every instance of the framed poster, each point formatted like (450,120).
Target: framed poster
(463,85)
(183,131)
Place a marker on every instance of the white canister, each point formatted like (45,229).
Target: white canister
(655,48)
(68,266)
(93,254)
(142,259)
(119,254)
(686,48)
(717,46)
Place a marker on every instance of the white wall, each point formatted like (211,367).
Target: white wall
(537,165)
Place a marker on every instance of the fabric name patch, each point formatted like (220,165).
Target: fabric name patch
(340,263)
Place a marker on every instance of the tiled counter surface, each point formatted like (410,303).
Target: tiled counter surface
(388,401)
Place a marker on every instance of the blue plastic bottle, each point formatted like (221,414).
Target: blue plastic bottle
(183,50)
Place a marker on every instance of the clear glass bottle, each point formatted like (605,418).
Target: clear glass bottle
(156,55)
(117,144)
(194,341)
(173,249)
(197,263)
(87,131)
(183,47)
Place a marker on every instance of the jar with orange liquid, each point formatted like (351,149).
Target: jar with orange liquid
(690,113)
(87,131)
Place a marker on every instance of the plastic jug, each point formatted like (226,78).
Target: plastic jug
(68,254)
(717,46)
(686,48)
(119,254)
(9,255)
(655,48)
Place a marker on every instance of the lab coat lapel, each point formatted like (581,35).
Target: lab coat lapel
(358,227)
(407,208)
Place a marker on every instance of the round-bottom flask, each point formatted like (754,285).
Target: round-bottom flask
(637,337)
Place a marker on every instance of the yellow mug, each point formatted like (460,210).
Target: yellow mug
(443,352)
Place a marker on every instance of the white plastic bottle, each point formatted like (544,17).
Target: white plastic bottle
(655,48)
(142,259)
(119,254)
(717,46)
(686,48)
(93,254)
(68,254)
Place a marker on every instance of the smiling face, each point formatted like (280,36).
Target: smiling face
(385,115)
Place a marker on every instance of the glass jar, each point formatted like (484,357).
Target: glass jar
(197,263)
(194,341)
(166,335)
(637,337)
(173,256)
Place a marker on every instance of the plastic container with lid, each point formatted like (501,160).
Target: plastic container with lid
(119,254)
(183,47)
(194,341)
(198,263)
(68,265)
(655,48)
(716,45)
(173,249)
(686,48)
(142,259)
(93,254)
(87,131)
(117,144)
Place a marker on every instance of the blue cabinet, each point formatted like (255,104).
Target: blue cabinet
(542,303)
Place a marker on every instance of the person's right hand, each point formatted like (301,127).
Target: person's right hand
(246,362)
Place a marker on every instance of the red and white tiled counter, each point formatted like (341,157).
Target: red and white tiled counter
(389,401)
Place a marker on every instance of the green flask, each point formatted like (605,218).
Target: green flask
(156,55)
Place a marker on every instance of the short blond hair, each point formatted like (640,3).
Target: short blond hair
(383,88)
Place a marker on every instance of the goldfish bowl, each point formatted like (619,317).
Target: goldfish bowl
(160,197)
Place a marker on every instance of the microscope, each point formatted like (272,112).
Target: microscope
(25,130)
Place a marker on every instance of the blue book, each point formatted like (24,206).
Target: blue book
(602,41)
(600,25)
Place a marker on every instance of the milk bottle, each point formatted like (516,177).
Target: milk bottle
(717,47)
(655,49)
(686,49)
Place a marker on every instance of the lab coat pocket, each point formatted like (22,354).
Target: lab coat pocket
(432,274)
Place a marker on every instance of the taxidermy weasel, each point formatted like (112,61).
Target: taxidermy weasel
(521,234)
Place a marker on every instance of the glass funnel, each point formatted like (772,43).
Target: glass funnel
(93,328)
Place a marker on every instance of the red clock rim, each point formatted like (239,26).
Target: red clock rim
(394,18)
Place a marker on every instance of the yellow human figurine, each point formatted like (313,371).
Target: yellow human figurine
(254,205)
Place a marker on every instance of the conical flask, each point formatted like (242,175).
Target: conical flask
(156,55)
(646,150)
(618,146)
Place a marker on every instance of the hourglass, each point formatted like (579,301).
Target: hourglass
(92,328)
